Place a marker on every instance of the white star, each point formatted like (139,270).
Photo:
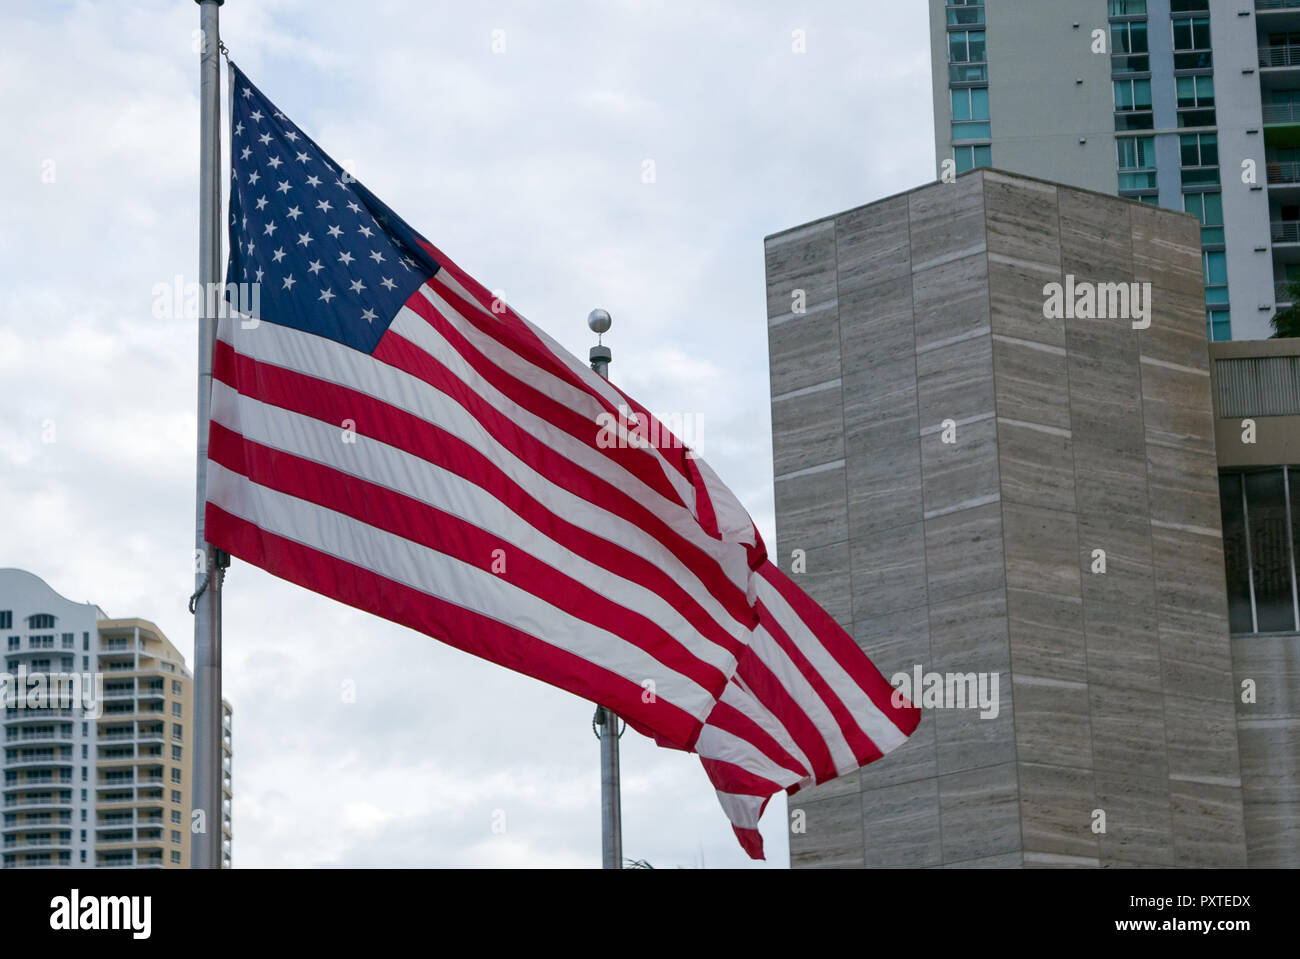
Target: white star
(274,163)
(357,286)
(261,202)
(387,284)
(352,205)
(256,115)
(369,315)
(246,153)
(289,281)
(244,224)
(291,136)
(326,295)
(335,231)
(304,238)
(239,128)
(340,184)
(303,157)
(247,93)
(376,256)
(265,138)
(278,255)
(294,213)
(365,231)
(280,116)
(315,267)
(270,229)
(250,247)
(324,206)
(345,258)
(313,180)
(283,187)
(258,275)
(254,177)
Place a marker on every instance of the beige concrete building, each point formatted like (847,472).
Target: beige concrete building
(988,483)
(102,780)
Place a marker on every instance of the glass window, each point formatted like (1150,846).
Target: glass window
(960,14)
(1183,6)
(1196,101)
(1192,43)
(1208,208)
(1137,163)
(966,46)
(1216,267)
(970,157)
(1128,8)
(1270,550)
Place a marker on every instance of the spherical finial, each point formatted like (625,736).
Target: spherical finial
(599,321)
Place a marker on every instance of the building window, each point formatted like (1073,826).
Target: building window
(968,158)
(1137,163)
(85,641)
(176,775)
(15,642)
(1208,208)
(1200,157)
(1133,105)
(176,817)
(1215,265)
(68,639)
(1128,47)
(176,857)
(1192,43)
(176,836)
(176,730)
(176,795)
(1186,6)
(970,113)
(176,687)
(1218,326)
(176,709)
(176,753)
(964,12)
(1261,526)
(1128,8)
(40,621)
(1196,101)
(966,57)
(6,619)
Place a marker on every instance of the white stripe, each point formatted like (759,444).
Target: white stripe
(742,699)
(724,746)
(876,725)
(741,810)
(333,362)
(413,327)
(469,587)
(395,469)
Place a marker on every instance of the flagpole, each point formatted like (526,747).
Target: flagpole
(605,722)
(205,835)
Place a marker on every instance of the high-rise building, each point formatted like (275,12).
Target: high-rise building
(99,778)
(989,487)
(1193,105)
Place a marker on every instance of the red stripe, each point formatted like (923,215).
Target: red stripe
(466,630)
(843,650)
(730,778)
(859,743)
(728,718)
(773,695)
(750,840)
(411,519)
(399,352)
(329,402)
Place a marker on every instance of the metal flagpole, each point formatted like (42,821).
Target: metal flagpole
(605,722)
(205,830)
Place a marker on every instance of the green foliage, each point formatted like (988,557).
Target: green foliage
(1286,323)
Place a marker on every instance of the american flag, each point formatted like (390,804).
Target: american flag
(388,433)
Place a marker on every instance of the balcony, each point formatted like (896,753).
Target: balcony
(1282,113)
(1286,231)
(1277,4)
(1283,173)
(1280,55)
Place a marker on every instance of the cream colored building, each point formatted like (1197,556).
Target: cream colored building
(103,781)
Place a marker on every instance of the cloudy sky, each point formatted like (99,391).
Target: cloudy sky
(526,165)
